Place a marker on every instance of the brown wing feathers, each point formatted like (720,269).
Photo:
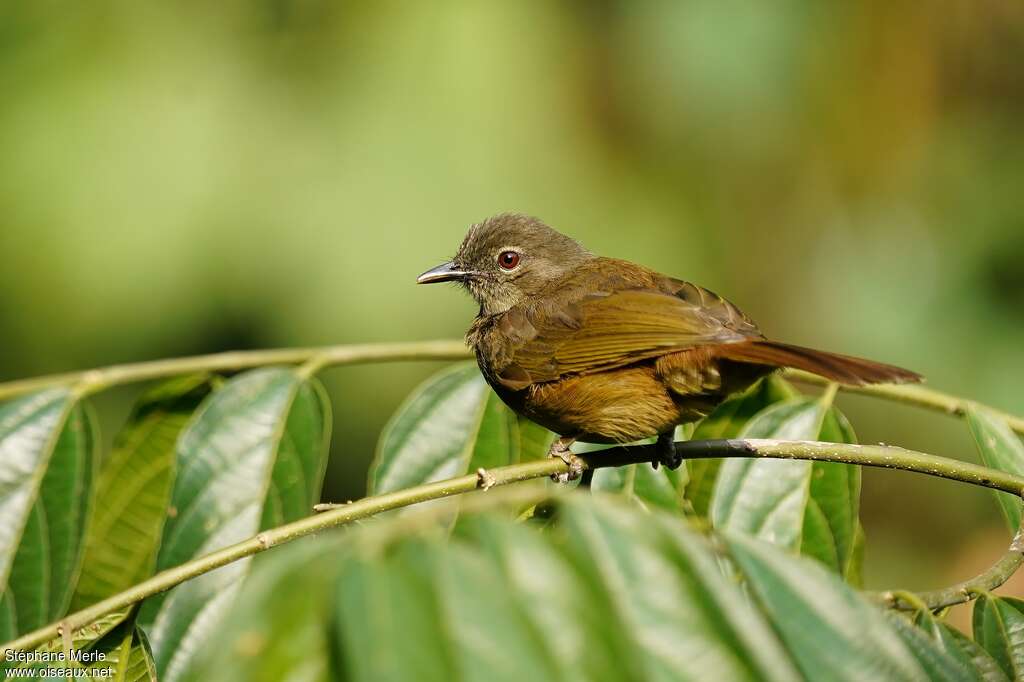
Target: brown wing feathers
(644,316)
(607,330)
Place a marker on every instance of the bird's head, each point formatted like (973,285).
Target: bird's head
(507,259)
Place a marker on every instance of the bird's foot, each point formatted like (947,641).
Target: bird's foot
(560,449)
(666,452)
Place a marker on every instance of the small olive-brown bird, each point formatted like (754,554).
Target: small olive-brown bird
(606,351)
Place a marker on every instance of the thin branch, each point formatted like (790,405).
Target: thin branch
(867,455)
(961,593)
(94,380)
(884,456)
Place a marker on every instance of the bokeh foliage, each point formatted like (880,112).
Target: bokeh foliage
(182,178)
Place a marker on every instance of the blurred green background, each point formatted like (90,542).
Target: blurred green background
(177,178)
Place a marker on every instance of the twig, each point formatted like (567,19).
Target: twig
(873,455)
(94,380)
(884,456)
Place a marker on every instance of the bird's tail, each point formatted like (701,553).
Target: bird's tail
(840,368)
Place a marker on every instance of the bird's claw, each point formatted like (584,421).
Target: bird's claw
(574,472)
(560,449)
(666,451)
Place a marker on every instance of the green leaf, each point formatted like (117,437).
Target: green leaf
(607,592)
(282,633)
(134,490)
(123,654)
(937,663)
(642,483)
(398,596)
(433,434)
(832,519)
(810,507)
(61,441)
(486,634)
(450,425)
(547,591)
(727,421)
(29,430)
(8,619)
(661,583)
(106,628)
(976,660)
(854,574)
(252,456)
(831,631)
(998,624)
(132,661)
(768,498)
(1000,448)
(610,593)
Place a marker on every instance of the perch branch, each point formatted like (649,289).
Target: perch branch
(867,455)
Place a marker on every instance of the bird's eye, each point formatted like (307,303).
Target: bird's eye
(508,260)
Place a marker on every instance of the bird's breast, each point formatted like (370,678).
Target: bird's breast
(617,406)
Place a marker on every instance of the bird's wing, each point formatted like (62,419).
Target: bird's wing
(608,329)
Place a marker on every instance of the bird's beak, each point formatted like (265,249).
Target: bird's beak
(445,272)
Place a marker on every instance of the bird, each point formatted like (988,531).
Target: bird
(603,350)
